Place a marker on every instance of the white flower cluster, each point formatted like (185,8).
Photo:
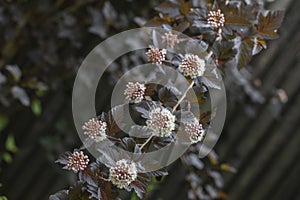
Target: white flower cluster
(156,56)
(195,131)
(95,129)
(171,39)
(161,121)
(123,173)
(216,18)
(77,161)
(135,91)
(192,66)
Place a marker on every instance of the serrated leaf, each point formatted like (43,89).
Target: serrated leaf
(63,159)
(78,192)
(224,51)
(259,44)
(167,97)
(160,172)
(268,25)
(144,107)
(205,118)
(140,185)
(244,54)
(135,148)
(114,118)
(84,177)
(235,16)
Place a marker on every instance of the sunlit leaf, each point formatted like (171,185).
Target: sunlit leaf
(36,107)
(3,122)
(244,55)
(10,144)
(228,168)
(268,24)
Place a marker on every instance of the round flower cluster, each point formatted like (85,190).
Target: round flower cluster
(216,18)
(95,129)
(135,91)
(77,161)
(123,173)
(156,56)
(195,131)
(161,121)
(192,66)
(171,39)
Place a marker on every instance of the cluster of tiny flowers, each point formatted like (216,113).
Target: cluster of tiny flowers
(156,56)
(192,66)
(135,91)
(216,18)
(123,173)
(171,39)
(161,121)
(95,129)
(195,131)
(77,161)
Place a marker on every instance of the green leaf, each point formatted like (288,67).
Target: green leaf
(3,198)
(3,122)
(268,25)
(134,196)
(7,157)
(10,144)
(36,107)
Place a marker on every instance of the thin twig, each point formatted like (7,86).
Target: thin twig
(183,96)
(113,138)
(89,172)
(148,140)
(102,178)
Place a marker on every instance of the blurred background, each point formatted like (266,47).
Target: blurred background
(43,43)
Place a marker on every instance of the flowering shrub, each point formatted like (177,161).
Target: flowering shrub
(230,33)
